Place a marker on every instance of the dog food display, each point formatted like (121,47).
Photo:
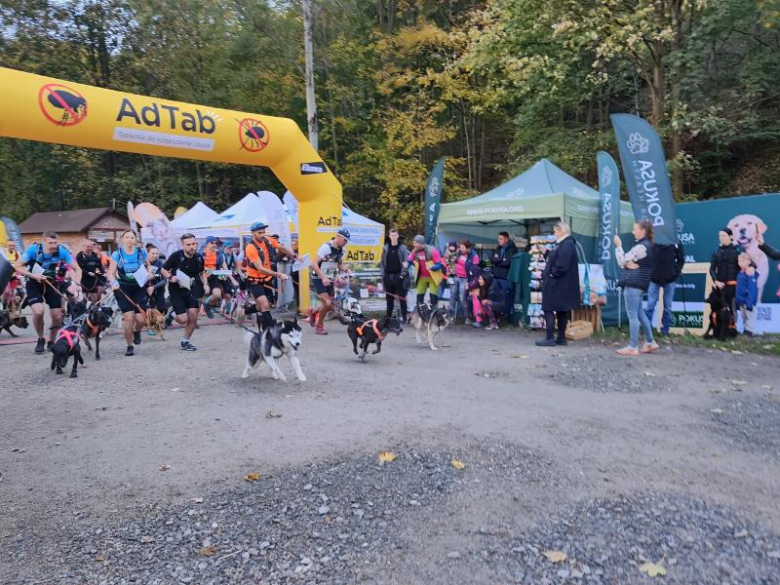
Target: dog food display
(540,246)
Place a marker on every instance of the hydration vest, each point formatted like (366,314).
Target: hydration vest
(50,268)
(120,265)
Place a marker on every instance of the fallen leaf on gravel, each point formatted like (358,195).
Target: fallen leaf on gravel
(197,500)
(250,477)
(741,534)
(164,467)
(555,556)
(458,464)
(716,411)
(737,352)
(175,389)
(521,357)
(147,539)
(208,551)
(650,374)
(271,414)
(716,390)
(738,382)
(766,387)
(387,457)
(653,570)
(99,559)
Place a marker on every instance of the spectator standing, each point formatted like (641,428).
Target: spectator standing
(746,296)
(428,269)
(724,266)
(637,268)
(395,273)
(668,262)
(502,262)
(465,273)
(560,285)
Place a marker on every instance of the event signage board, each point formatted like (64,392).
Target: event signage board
(433,189)
(647,179)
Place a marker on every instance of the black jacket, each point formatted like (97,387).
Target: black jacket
(403,253)
(724,266)
(771,253)
(502,260)
(668,262)
(561,279)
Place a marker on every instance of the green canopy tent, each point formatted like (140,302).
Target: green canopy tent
(527,205)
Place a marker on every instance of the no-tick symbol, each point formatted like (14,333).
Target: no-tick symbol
(253,135)
(61,104)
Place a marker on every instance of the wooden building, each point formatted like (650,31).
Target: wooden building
(101,224)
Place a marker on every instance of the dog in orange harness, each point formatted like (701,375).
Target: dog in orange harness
(365,332)
(65,345)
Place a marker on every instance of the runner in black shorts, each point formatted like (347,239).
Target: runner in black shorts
(155,288)
(186,301)
(130,295)
(40,263)
(93,278)
(329,256)
(260,275)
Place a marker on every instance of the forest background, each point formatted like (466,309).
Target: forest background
(494,85)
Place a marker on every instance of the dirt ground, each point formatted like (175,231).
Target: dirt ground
(166,427)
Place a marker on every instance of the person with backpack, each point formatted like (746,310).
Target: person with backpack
(465,272)
(395,273)
(155,287)
(41,263)
(93,276)
(428,266)
(129,291)
(668,262)
(260,253)
(328,259)
(185,296)
(214,259)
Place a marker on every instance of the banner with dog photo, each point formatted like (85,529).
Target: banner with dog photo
(747,217)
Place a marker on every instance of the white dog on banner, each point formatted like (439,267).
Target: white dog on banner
(744,228)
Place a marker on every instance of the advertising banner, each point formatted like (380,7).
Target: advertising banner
(647,180)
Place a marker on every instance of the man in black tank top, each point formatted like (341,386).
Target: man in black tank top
(186,302)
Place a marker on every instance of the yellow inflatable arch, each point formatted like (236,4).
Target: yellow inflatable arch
(51,110)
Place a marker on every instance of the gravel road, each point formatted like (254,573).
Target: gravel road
(140,471)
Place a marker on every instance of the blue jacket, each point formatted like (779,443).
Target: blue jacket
(747,290)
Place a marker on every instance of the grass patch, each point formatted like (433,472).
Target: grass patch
(762,344)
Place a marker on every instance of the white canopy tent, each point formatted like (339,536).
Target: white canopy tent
(198,214)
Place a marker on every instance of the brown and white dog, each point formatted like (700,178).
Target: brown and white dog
(744,228)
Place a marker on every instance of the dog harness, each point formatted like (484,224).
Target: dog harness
(72,337)
(375,326)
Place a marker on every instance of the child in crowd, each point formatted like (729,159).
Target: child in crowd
(484,302)
(747,292)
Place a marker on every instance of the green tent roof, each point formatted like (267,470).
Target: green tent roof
(542,191)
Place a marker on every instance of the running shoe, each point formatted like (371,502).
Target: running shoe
(137,337)
(129,351)
(187,346)
(628,351)
(320,331)
(40,347)
(209,311)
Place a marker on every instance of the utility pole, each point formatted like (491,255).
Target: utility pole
(308,49)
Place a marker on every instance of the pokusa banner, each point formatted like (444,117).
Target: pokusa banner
(647,180)
(433,188)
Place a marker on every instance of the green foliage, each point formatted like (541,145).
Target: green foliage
(494,85)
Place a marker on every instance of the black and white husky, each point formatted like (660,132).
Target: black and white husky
(431,323)
(271,344)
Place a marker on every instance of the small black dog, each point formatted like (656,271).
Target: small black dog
(8,320)
(76,309)
(722,324)
(371,331)
(97,321)
(65,345)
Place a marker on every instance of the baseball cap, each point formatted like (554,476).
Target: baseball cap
(258,225)
(210,239)
(344,233)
